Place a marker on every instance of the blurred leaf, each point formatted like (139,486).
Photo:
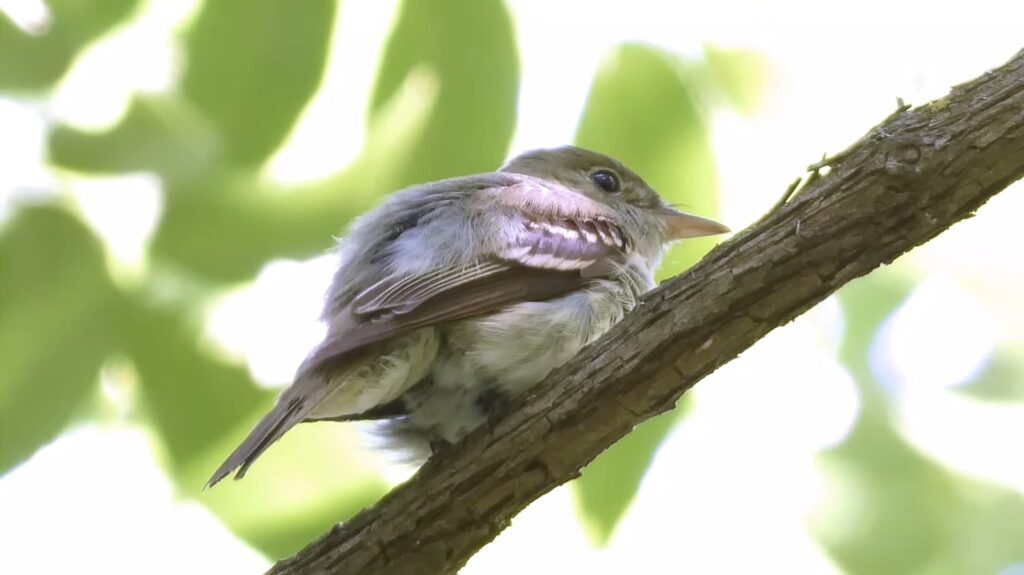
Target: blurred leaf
(660,133)
(32,62)
(226,227)
(1002,378)
(468,45)
(253,65)
(895,511)
(898,512)
(439,109)
(867,302)
(203,407)
(194,398)
(314,477)
(55,304)
(609,484)
(158,134)
(739,74)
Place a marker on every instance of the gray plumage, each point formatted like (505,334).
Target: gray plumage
(455,295)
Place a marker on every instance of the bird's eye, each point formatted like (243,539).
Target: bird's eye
(606,180)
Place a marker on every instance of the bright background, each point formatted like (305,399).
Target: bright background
(172,173)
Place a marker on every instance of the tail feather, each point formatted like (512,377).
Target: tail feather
(314,382)
(283,417)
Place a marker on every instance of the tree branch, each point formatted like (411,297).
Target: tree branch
(907,180)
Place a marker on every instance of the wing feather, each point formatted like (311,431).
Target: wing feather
(393,294)
(546,259)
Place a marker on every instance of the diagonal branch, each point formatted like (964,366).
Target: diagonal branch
(903,183)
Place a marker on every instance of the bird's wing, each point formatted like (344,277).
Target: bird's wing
(545,260)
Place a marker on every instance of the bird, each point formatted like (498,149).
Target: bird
(453,297)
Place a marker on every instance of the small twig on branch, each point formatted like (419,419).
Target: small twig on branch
(902,184)
(785,196)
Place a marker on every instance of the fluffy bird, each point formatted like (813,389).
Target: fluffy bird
(453,296)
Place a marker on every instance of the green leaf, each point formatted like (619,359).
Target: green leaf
(163,135)
(55,306)
(660,132)
(225,227)
(1002,379)
(253,65)
(609,484)
(469,48)
(33,62)
(867,302)
(739,74)
(193,398)
(439,108)
(202,407)
(314,477)
(889,509)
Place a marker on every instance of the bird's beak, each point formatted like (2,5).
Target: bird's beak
(680,225)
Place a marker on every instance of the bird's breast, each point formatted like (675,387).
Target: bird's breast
(517,347)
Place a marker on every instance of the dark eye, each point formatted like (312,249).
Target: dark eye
(606,180)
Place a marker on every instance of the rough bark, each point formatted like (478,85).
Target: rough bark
(907,180)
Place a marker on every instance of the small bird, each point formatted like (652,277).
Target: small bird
(452,297)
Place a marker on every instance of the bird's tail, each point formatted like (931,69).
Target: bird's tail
(284,416)
(312,385)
